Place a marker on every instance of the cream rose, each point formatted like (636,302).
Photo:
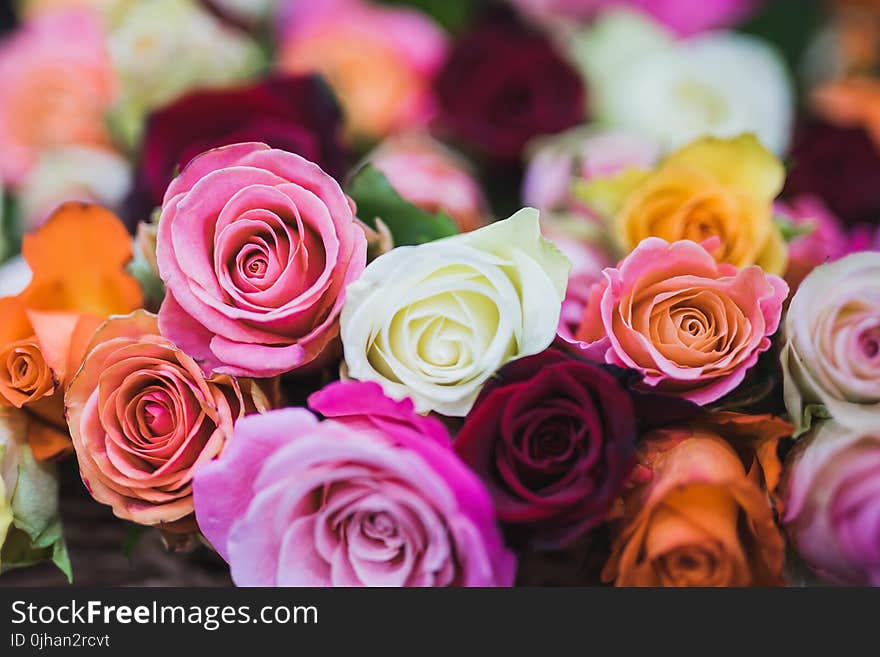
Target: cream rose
(831,354)
(433,322)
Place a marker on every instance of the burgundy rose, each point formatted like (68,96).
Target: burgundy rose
(292,113)
(839,165)
(554,439)
(504,84)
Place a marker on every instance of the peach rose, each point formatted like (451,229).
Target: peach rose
(379,60)
(142,418)
(56,84)
(690,325)
(704,517)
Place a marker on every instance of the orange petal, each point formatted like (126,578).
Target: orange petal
(78,259)
(47,442)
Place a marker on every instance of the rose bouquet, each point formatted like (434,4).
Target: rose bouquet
(259,290)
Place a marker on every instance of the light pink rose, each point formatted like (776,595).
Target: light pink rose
(143,417)
(828,240)
(832,503)
(690,325)
(255,247)
(379,60)
(56,84)
(685,17)
(581,155)
(430,176)
(370,498)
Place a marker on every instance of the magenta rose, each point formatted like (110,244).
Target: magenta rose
(375,498)
(504,84)
(255,247)
(553,437)
(690,325)
(832,503)
(291,113)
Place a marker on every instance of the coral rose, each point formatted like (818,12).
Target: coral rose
(704,517)
(372,498)
(255,247)
(690,325)
(721,188)
(56,84)
(143,418)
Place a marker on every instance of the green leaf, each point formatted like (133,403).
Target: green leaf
(409,224)
(451,14)
(790,230)
(131,540)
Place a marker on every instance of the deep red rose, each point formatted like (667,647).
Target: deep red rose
(292,113)
(839,165)
(554,439)
(503,84)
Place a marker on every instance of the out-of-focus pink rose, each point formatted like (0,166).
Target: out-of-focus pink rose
(685,17)
(690,325)
(827,241)
(56,83)
(379,60)
(832,503)
(365,500)
(255,247)
(581,154)
(579,240)
(430,176)
(143,418)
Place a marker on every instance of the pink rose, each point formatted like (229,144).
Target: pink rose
(426,174)
(832,503)
(255,247)
(685,17)
(379,60)
(581,155)
(142,418)
(690,325)
(827,241)
(56,84)
(374,498)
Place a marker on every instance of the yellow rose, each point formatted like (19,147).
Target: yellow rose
(712,188)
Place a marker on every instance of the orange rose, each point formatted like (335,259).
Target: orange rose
(851,103)
(78,262)
(705,516)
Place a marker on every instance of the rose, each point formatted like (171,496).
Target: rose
(826,240)
(701,518)
(164,48)
(47,325)
(255,247)
(143,418)
(644,80)
(712,188)
(379,60)
(690,325)
(73,173)
(839,165)
(504,84)
(831,503)
(581,154)
(30,528)
(683,18)
(292,113)
(433,178)
(434,321)
(366,500)
(831,354)
(553,438)
(56,83)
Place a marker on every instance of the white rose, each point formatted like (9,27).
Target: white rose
(73,173)
(831,354)
(434,322)
(718,83)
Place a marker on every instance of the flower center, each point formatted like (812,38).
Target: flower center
(256,266)
(869,342)
(157,416)
(380,525)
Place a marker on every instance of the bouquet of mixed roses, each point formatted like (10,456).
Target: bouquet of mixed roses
(253,291)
